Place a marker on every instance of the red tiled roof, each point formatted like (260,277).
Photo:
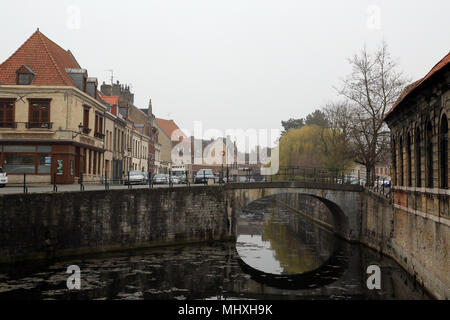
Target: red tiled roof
(112,100)
(47,60)
(413,86)
(169,126)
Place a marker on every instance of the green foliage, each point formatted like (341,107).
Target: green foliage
(317,118)
(292,124)
(313,146)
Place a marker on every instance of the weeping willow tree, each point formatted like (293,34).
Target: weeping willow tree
(314,146)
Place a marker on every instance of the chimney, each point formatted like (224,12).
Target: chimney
(91,87)
(150,108)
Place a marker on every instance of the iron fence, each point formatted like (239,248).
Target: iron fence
(225,176)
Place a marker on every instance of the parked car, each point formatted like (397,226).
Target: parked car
(386,183)
(135,177)
(204,175)
(175,179)
(161,179)
(179,178)
(353,180)
(3,178)
(246,180)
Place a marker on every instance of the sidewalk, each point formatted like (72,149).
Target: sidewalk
(45,188)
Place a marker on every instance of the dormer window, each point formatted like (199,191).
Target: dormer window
(25,75)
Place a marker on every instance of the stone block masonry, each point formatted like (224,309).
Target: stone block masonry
(419,244)
(46,225)
(42,225)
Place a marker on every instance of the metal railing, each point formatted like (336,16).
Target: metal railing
(38,125)
(225,176)
(11,125)
(27,125)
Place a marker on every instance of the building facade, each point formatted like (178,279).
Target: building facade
(51,119)
(56,126)
(419,122)
(169,135)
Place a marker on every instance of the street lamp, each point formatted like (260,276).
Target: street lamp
(80,131)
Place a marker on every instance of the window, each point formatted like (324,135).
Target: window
(17,163)
(7,113)
(85,160)
(43,165)
(26,159)
(444,152)
(429,155)
(86,129)
(25,75)
(98,132)
(25,79)
(394,162)
(94,162)
(418,159)
(90,161)
(401,162)
(408,154)
(39,114)
(99,163)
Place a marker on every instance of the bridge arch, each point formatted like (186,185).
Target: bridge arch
(343,202)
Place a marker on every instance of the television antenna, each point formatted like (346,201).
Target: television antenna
(112,75)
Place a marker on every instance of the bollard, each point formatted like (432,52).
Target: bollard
(25,188)
(81,183)
(55,188)
(228,175)
(106,181)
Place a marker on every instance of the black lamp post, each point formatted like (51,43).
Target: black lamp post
(80,131)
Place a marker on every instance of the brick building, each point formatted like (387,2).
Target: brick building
(419,122)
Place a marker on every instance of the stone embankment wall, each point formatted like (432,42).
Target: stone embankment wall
(42,225)
(419,244)
(39,225)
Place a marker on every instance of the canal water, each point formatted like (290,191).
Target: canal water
(279,254)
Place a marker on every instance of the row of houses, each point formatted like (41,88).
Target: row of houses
(58,124)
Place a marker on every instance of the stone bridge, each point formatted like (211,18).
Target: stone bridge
(343,201)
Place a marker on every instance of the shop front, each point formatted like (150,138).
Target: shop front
(46,161)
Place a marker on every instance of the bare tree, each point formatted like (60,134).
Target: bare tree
(370,90)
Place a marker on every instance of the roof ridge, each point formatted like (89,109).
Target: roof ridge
(75,59)
(20,47)
(432,70)
(51,56)
(407,90)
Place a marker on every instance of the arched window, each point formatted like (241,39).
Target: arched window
(400,155)
(418,159)
(408,154)
(429,143)
(443,135)
(394,163)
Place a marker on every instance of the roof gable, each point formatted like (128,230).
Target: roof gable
(415,85)
(47,60)
(169,127)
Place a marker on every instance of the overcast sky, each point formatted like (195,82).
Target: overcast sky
(231,63)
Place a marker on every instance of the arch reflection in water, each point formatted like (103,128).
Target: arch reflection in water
(285,250)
